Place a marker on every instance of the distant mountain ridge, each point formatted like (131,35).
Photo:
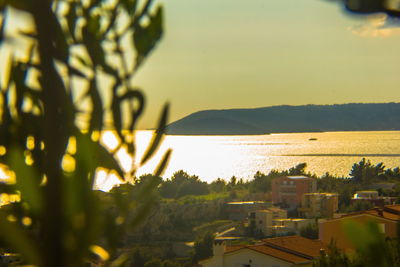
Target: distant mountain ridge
(288,119)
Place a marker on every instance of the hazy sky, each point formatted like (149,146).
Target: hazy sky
(219,54)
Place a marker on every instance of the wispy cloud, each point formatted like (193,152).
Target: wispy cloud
(379,25)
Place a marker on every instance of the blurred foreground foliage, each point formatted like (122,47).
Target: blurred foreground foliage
(365,7)
(67,77)
(372,248)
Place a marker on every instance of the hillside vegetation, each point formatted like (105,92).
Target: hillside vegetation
(285,119)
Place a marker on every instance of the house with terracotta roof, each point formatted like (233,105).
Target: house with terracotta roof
(278,252)
(387,219)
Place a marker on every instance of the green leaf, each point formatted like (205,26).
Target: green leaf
(146,37)
(116,113)
(8,70)
(75,71)
(130,6)
(92,41)
(134,95)
(120,260)
(96,116)
(163,163)
(31,35)
(16,238)
(2,27)
(25,5)
(7,188)
(156,140)
(94,26)
(98,157)
(62,48)
(157,23)
(85,62)
(18,75)
(27,179)
(86,162)
(72,19)
(36,98)
(142,210)
(107,160)
(111,22)
(362,235)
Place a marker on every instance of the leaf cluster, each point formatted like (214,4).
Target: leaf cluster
(73,81)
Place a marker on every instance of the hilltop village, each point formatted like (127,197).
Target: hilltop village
(284,218)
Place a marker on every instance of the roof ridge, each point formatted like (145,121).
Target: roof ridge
(276,256)
(297,253)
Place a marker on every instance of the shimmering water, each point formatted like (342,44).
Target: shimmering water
(211,157)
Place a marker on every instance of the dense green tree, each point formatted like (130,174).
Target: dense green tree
(310,231)
(219,185)
(365,172)
(299,169)
(358,206)
(393,173)
(333,257)
(261,183)
(182,184)
(232,182)
(203,247)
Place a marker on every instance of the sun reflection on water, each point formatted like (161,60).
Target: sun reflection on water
(212,157)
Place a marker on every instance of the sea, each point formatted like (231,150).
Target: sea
(212,157)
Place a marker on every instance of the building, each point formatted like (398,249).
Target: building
(289,226)
(282,251)
(372,196)
(288,190)
(322,205)
(238,210)
(387,219)
(263,220)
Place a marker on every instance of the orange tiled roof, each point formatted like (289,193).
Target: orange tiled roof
(277,253)
(270,251)
(393,208)
(294,249)
(389,212)
(384,214)
(233,248)
(297,244)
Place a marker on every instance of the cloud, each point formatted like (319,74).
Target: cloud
(378,25)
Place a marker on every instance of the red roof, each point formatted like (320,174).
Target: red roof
(297,244)
(294,249)
(389,212)
(277,253)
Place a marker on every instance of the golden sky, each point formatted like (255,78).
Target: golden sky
(219,54)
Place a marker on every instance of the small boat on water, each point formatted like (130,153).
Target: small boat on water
(312,139)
